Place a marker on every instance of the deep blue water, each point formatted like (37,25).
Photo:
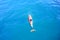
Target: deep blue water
(14,23)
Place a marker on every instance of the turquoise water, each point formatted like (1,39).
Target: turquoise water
(14,23)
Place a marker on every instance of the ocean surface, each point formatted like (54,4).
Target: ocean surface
(14,23)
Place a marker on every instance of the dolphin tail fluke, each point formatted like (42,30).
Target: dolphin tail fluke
(32,30)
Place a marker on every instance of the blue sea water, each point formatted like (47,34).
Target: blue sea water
(14,23)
